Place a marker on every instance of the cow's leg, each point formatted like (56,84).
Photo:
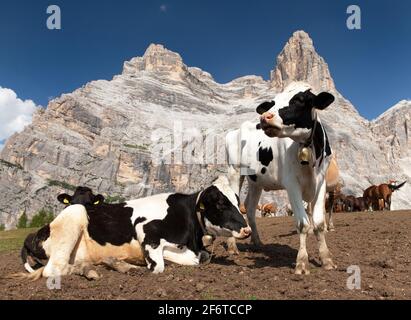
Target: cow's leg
(368,204)
(236,182)
(303,225)
(330,216)
(118,265)
(65,232)
(232,246)
(86,270)
(253,196)
(310,217)
(388,203)
(154,258)
(184,257)
(235,179)
(318,218)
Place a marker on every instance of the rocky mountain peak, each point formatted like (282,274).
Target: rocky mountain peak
(402,109)
(299,61)
(157,59)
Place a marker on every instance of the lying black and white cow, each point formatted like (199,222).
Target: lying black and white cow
(288,149)
(153,229)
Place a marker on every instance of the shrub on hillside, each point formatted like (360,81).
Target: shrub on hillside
(22,223)
(41,218)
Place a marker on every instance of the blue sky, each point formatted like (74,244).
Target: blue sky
(228,38)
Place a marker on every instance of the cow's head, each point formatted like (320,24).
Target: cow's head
(82,195)
(219,206)
(292,117)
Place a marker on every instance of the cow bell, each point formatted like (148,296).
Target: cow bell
(207,240)
(305,155)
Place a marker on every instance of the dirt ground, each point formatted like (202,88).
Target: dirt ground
(379,243)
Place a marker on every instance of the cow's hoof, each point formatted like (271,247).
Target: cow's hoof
(331,228)
(301,268)
(158,267)
(232,247)
(233,252)
(158,270)
(329,265)
(92,275)
(204,257)
(257,243)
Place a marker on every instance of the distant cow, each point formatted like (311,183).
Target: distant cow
(153,229)
(288,149)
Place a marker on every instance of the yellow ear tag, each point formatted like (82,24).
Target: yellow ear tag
(66,201)
(202,206)
(97,202)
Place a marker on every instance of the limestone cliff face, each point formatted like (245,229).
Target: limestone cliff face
(106,135)
(392,131)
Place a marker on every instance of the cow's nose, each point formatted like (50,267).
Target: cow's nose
(267,116)
(247,231)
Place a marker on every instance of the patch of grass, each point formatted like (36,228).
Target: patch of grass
(62,184)
(13,239)
(11,165)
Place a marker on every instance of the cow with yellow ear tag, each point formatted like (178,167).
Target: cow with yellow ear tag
(82,195)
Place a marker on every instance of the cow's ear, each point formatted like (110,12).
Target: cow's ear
(98,199)
(265,106)
(64,198)
(323,100)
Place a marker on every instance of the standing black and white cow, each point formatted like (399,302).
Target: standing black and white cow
(148,230)
(288,149)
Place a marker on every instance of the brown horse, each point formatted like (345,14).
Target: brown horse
(374,194)
(243,210)
(267,209)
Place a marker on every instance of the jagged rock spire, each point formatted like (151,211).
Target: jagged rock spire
(299,61)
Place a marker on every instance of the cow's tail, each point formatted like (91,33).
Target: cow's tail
(24,255)
(33,276)
(394,188)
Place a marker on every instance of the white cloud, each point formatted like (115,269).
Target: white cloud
(15,113)
(163,8)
